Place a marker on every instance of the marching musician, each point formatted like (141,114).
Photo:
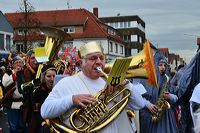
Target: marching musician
(14,101)
(27,74)
(167,123)
(39,95)
(80,89)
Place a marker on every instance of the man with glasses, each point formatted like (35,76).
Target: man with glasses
(79,90)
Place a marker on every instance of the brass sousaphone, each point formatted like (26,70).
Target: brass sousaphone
(108,106)
(49,53)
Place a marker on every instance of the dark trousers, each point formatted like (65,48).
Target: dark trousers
(15,121)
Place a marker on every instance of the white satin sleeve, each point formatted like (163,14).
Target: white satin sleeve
(56,103)
(136,101)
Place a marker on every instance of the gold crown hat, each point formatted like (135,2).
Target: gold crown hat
(90,47)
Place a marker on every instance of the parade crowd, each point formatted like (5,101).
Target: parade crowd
(31,102)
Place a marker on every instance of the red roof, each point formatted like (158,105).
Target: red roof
(51,18)
(19,38)
(165,51)
(71,17)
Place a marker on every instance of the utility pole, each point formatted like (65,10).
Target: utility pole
(26,26)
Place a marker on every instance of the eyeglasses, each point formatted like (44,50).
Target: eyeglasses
(95,57)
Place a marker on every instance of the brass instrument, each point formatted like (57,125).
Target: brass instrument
(161,104)
(107,106)
(60,65)
(7,95)
(97,115)
(141,66)
(27,85)
(54,40)
(130,114)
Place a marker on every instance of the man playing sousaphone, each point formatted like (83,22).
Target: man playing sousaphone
(79,90)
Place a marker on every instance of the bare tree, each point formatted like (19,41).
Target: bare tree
(27,24)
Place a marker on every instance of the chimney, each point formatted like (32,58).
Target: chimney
(95,11)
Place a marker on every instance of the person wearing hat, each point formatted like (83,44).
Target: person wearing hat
(24,76)
(79,90)
(167,122)
(48,73)
(14,102)
(31,66)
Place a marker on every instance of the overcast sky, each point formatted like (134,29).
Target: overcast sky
(169,23)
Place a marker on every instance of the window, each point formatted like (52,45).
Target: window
(116,48)
(125,24)
(121,49)
(129,24)
(2,41)
(111,31)
(116,24)
(140,39)
(134,38)
(8,42)
(20,32)
(134,24)
(70,29)
(121,24)
(112,24)
(19,47)
(111,47)
(127,38)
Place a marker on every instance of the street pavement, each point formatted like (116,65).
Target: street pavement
(3,122)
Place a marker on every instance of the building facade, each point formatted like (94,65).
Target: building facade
(131,29)
(81,24)
(6,35)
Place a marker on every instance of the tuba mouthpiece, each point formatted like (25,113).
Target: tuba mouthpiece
(102,72)
(99,69)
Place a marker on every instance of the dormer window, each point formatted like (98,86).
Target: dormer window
(69,29)
(20,32)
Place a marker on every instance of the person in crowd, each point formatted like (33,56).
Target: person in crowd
(1,96)
(175,83)
(3,69)
(25,76)
(2,72)
(189,79)
(79,90)
(175,80)
(135,118)
(14,103)
(3,66)
(31,66)
(39,95)
(167,123)
(195,108)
